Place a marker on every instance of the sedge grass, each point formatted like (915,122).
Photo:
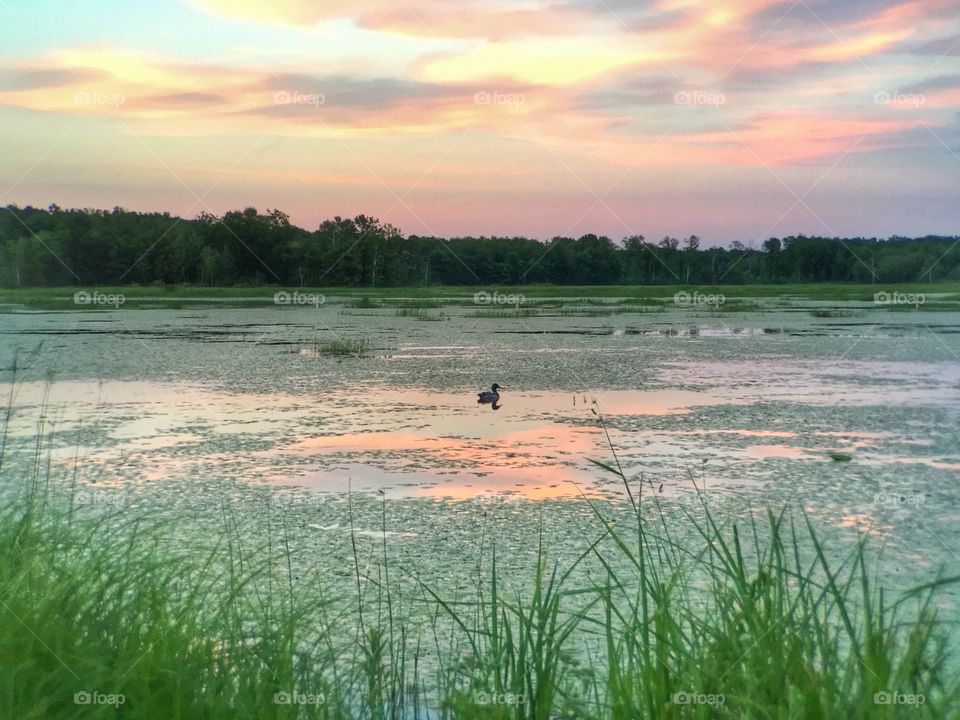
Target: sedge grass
(342,347)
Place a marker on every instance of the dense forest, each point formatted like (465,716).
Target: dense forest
(56,247)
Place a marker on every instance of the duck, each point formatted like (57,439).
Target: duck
(490,396)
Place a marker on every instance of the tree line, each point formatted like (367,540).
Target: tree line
(57,247)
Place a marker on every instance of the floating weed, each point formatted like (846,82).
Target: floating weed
(415,304)
(341,347)
(365,303)
(420,314)
(832,313)
(645,301)
(504,313)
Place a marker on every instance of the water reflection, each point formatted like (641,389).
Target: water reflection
(421,442)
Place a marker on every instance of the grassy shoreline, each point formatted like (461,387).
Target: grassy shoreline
(748,620)
(135,295)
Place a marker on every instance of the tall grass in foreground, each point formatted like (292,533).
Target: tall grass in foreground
(749,621)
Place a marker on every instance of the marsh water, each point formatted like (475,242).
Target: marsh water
(843,410)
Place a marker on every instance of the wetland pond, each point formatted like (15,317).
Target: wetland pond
(179,411)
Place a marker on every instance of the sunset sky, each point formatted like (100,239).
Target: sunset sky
(733,120)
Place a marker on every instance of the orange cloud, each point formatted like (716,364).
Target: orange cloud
(139,88)
(797,137)
(434,18)
(161,96)
(544,61)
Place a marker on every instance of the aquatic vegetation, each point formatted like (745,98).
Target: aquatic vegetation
(940,296)
(669,610)
(415,303)
(499,313)
(832,313)
(706,619)
(365,302)
(645,301)
(342,346)
(420,313)
(602,310)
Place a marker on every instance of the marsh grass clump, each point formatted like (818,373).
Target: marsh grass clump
(644,301)
(832,313)
(642,306)
(737,305)
(342,347)
(365,302)
(601,310)
(416,303)
(501,313)
(420,313)
(543,302)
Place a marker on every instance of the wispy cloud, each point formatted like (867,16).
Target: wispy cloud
(713,88)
